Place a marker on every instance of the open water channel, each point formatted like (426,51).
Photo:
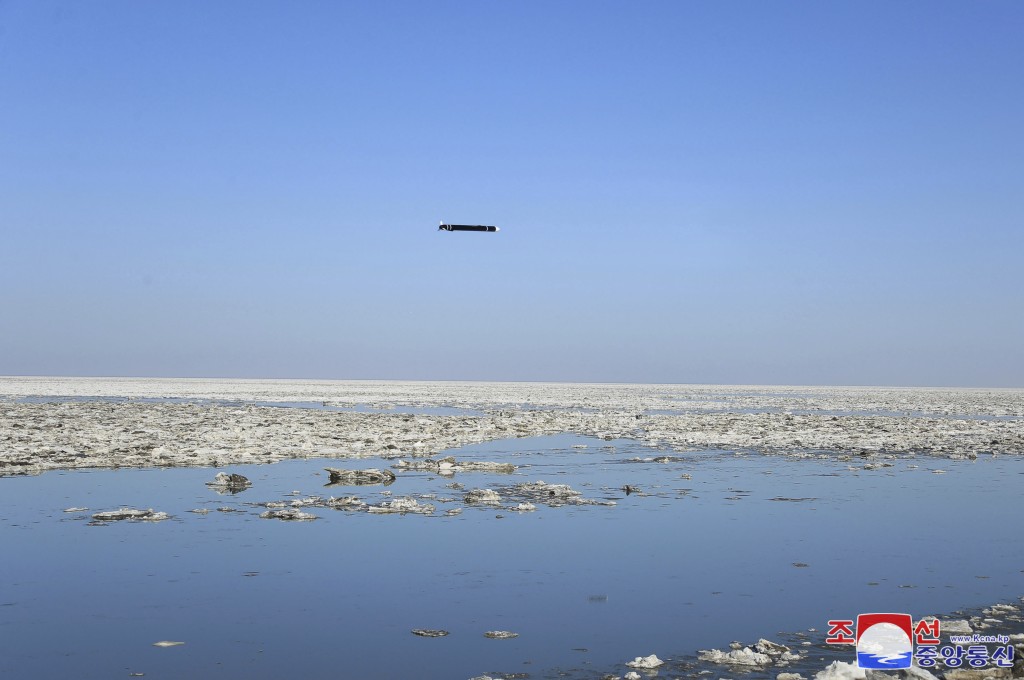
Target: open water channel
(711,547)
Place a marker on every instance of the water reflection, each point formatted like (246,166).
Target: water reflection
(705,548)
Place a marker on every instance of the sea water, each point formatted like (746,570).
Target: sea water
(713,546)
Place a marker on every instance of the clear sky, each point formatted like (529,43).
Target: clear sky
(727,192)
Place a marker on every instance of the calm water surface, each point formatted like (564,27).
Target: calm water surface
(686,564)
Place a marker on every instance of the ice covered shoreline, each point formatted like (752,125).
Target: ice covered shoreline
(996,402)
(176,423)
(219,422)
(806,656)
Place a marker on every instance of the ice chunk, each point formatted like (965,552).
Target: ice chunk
(737,657)
(402,506)
(360,477)
(483,497)
(840,670)
(287,514)
(651,661)
(957,627)
(770,648)
(344,502)
(229,483)
(130,514)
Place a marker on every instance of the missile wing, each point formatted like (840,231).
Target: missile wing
(466,227)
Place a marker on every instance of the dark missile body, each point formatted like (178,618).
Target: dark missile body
(466,227)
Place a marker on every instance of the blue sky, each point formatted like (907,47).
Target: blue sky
(734,192)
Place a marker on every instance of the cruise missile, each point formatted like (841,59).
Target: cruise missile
(466,227)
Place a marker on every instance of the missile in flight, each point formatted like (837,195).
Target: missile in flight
(466,227)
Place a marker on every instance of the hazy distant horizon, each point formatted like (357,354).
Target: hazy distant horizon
(693,193)
(473,380)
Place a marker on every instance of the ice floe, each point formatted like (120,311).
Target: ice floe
(132,514)
(482,497)
(402,506)
(553,495)
(341,476)
(449,466)
(651,661)
(736,657)
(840,670)
(288,514)
(229,483)
(114,429)
(429,632)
